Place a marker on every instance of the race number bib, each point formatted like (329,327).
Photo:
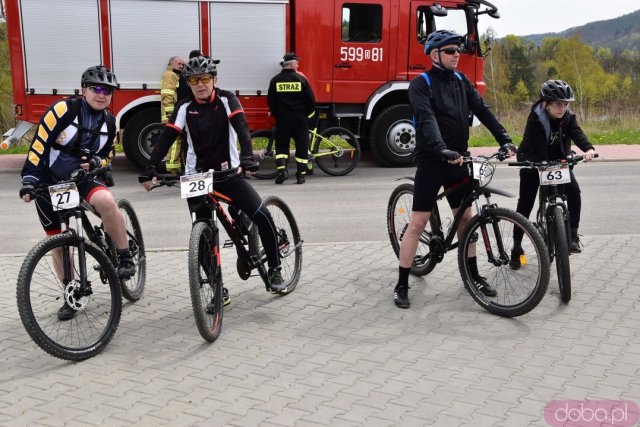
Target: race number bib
(64,196)
(196,184)
(479,171)
(554,175)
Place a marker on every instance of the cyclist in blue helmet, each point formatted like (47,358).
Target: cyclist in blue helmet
(442,100)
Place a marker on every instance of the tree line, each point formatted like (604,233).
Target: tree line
(605,82)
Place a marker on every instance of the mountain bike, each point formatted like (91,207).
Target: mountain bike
(204,265)
(490,230)
(77,267)
(552,218)
(336,150)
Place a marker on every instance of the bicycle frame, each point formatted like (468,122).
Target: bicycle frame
(472,193)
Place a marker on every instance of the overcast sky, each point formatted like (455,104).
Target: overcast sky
(524,17)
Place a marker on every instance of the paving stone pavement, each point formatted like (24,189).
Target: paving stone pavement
(337,351)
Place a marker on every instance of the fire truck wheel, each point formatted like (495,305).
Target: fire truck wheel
(139,131)
(393,137)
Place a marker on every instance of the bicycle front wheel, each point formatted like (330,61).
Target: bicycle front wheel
(205,283)
(398,215)
(264,148)
(43,290)
(561,246)
(133,287)
(289,244)
(518,291)
(337,152)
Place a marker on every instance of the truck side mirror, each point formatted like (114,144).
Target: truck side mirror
(438,10)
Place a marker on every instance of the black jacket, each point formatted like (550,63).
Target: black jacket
(213,128)
(290,93)
(537,135)
(442,113)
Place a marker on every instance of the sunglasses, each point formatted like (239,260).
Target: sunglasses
(451,50)
(101,90)
(194,80)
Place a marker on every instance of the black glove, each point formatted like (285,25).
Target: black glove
(27,188)
(449,155)
(107,178)
(94,163)
(509,147)
(248,164)
(147,174)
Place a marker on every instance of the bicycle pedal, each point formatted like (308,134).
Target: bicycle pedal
(227,244)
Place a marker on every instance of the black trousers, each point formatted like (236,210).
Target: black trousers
(293,126)
(529,183)
(246,198)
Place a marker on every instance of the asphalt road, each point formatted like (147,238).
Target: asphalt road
(330,209)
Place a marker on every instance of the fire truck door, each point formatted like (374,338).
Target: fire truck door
(361,42)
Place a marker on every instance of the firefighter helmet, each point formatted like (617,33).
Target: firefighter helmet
(98,75)
(556,90)
(440,38)
(200,65)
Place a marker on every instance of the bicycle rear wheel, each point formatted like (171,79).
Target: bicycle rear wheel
(264,148)
(398,214)
(337,152)
(518,291)
(204,281)
(41,293)
(133,288)
(561,245)
(289,244)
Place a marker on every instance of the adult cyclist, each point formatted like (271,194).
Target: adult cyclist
(551,126)
(75,133)
(213,120)
(442,101)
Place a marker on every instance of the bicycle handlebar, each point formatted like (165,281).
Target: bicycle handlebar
(573,160)
(169,180)
(500,155)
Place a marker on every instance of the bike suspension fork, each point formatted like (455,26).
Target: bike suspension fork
(82,259)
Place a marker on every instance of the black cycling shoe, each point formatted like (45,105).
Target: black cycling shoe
(515,262)
(576,245)
(401,296)
(66,313)
(276,282)
(481,284)
(126,268)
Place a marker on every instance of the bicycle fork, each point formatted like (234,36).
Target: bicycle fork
(485,219)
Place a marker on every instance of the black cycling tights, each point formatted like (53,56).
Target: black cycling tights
(529,183)
(246,198)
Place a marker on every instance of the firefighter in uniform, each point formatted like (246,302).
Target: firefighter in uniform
(291,102)
(169,97)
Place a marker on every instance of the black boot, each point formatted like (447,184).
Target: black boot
(302,171)
(515,263)
(576,245)
(283,174)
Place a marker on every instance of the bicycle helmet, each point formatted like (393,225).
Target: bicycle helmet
(556,90)
(98,75)
(440,38)
(200,65)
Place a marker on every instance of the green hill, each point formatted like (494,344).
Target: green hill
(617,34)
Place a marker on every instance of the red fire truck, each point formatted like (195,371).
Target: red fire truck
(359,56)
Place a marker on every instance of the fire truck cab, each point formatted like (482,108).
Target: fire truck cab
(358,55)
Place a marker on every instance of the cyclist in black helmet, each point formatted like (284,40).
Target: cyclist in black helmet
(551,126)
(213,120)
(75,133)
(442,101)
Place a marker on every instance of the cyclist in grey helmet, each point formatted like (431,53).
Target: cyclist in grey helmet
(213,120)
(551,126)
(78,132)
